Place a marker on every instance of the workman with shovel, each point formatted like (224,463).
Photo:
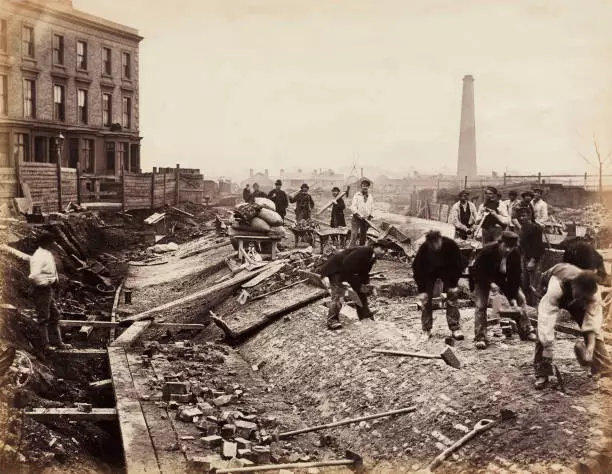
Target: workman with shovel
(438,258)
(362,207)
(499,263)
(44,278)
(575,290)
(352,265)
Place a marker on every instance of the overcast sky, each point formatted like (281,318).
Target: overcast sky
(226,85)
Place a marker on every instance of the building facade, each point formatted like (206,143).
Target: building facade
(69,72)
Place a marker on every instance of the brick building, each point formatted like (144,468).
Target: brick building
(63,70)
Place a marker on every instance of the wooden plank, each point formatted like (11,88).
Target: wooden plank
(268,317)
(55,414)
(263,275)
(129,336)
(562,328)
(79,352)
(115,324)
(238,279)
(138,447)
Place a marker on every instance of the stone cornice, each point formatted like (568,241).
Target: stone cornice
(81,18)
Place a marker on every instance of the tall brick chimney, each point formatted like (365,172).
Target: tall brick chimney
(466,162)
(251,173)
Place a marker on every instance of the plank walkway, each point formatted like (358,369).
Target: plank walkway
(149,441)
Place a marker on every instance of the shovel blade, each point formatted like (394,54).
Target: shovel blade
(448,356)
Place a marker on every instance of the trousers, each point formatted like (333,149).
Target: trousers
(481,301)
(47,311)
(337,297)
(358,227)
(452,310)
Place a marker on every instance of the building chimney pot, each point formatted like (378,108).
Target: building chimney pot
(251,173)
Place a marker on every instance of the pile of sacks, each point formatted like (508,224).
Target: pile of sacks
(258,218)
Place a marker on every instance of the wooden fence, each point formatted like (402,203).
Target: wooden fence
(39,182)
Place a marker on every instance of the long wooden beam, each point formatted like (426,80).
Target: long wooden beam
(55,414)
(79,352)
(236,280)
(115,324)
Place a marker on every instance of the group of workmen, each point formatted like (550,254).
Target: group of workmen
(362,205)
(498,269)
(504,267)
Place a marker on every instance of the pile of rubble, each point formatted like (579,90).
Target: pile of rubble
(233,431)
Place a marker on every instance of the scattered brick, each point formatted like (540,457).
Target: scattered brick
(212,441)
(228,430)
(188,413)
(230,450)
(222,400)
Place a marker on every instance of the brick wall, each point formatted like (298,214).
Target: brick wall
(75,26)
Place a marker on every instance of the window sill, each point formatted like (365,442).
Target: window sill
(59,75)
(59,66)
(83,79)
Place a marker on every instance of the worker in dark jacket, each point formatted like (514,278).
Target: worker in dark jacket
(352,265)
(581,253)
(304,203)
(279,197)
(532,251)
(337,210)
(246,193)
(438,258)
(499,263)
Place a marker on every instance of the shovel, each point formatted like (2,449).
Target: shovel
(447,355)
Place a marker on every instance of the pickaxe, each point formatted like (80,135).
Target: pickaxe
(447,355)
(353,461)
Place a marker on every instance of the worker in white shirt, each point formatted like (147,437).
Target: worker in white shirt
(463,216)
(510,204)
(540,207)
(362,206)
(43,275)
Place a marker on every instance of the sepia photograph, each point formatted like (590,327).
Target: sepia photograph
(305,236)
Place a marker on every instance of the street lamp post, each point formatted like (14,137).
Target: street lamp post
(59,143)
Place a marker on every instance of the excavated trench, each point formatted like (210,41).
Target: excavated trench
(60,380)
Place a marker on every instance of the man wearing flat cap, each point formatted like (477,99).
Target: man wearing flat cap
(499,263)
(362,208)
(303,203)
(279,197)
(353,266)
(463,216)
(492,216)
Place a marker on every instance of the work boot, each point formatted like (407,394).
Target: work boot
(458,335)
(58,335)
(425,336)
(540,382)
(334,323)
(364,313)
(480,345)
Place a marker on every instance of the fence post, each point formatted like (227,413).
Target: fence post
(153,188)
(18,172)
(58,168)
(177,188)
(122,189)
(539,177)
(78,182)
(165,187)
(465,183)
(585,181)
(505,178)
